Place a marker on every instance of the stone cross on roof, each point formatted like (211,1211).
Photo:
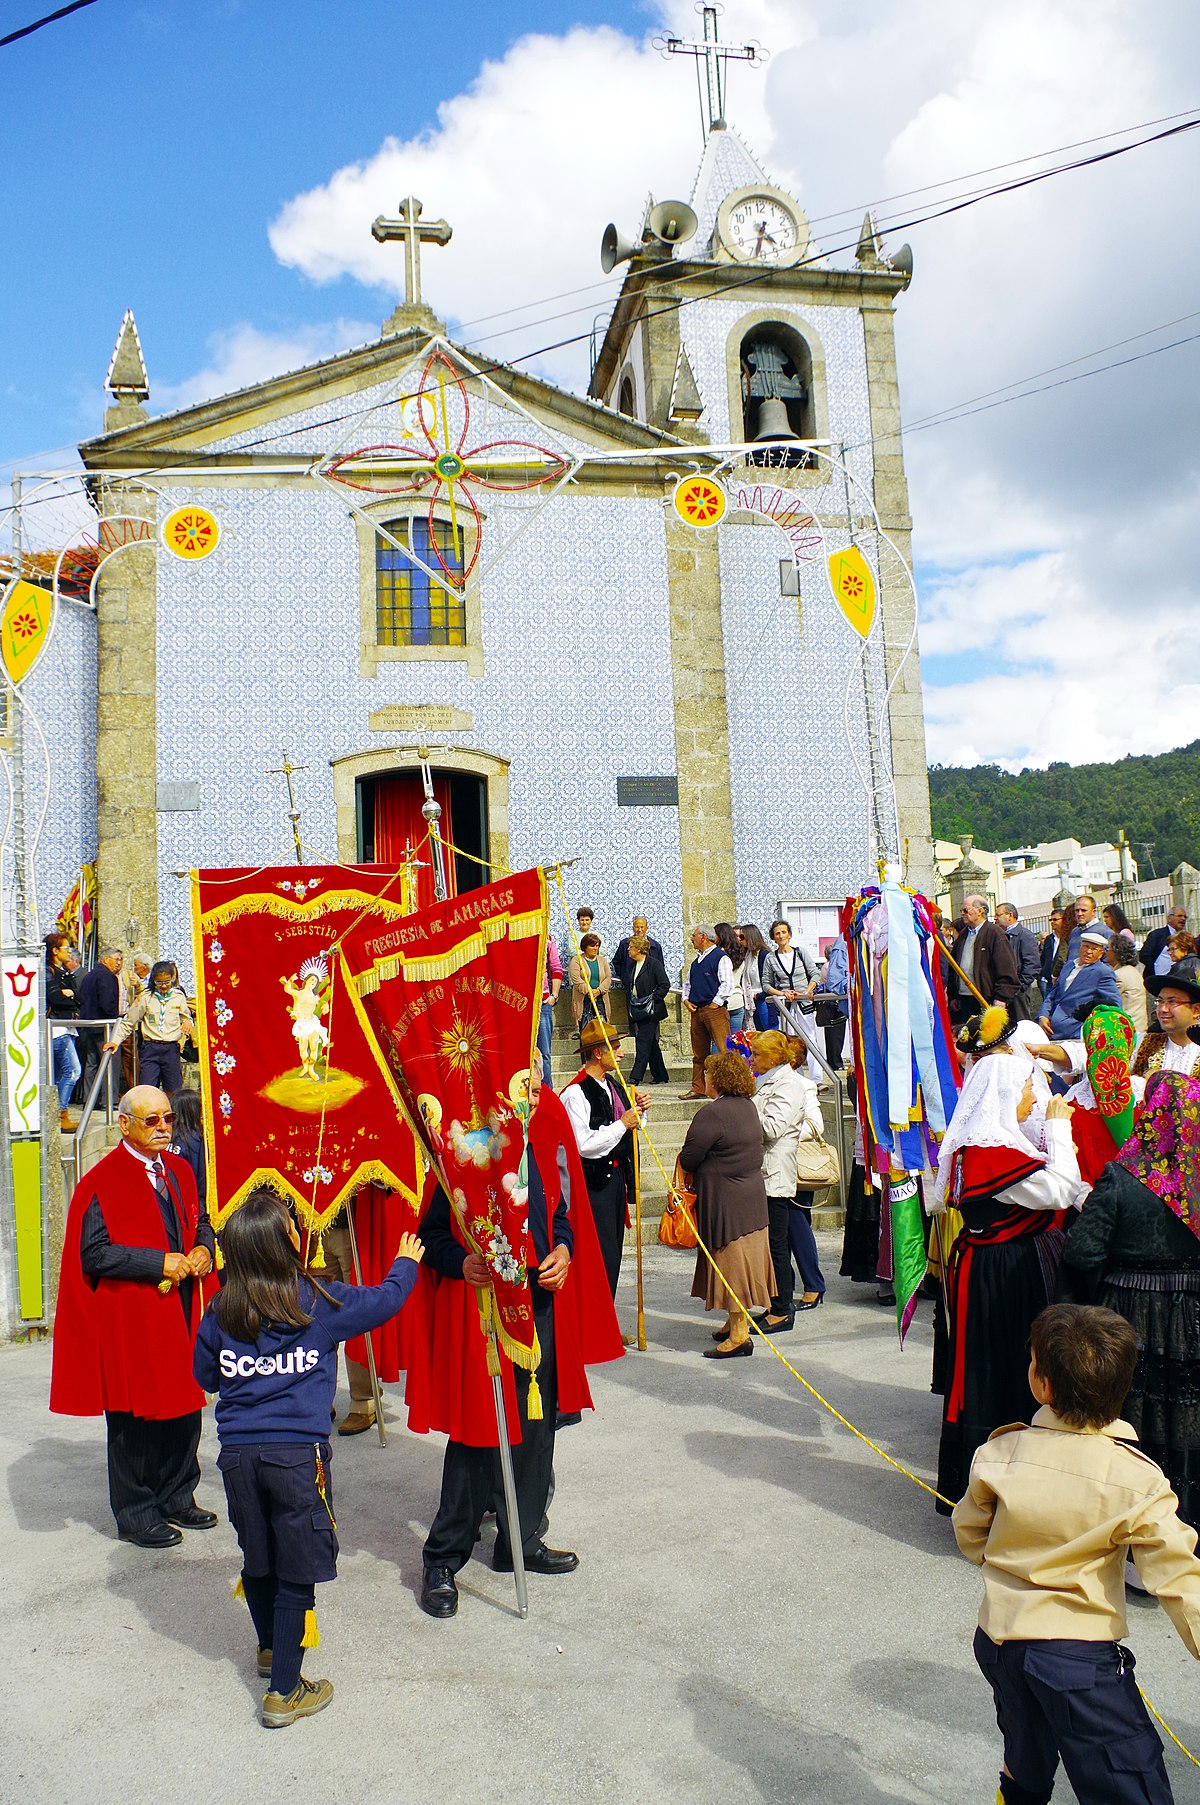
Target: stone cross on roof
(409,228)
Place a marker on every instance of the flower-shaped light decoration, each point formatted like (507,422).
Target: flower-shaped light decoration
(20,980)
(446,468)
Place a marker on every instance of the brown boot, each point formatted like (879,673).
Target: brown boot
(359,1417)
(64,1121)
(309,1697)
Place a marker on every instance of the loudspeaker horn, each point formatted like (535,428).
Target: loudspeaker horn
(671,222)
(614,249)
(903,263)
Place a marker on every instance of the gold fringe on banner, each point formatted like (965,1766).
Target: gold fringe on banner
(266,903)
(424,968)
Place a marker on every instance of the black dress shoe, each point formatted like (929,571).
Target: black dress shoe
(540,1559)
(729,1353)
(194,1518)
(439,1594)
(810,1303)
(159,1535)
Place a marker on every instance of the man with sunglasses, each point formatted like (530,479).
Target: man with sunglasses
(136,1250)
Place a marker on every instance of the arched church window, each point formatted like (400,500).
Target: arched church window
(627,404)
(411,607)
(777,400)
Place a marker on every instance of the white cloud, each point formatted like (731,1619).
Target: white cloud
(1058,528)
(242,355)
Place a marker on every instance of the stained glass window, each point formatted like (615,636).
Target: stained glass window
(411,609)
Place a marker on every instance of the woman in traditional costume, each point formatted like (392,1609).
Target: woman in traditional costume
(1136,1249)
(1012,1174)
(723,1152)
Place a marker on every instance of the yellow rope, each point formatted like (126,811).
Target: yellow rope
(678,1199)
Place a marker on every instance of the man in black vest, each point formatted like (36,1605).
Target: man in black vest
(604,1128)
(707,989)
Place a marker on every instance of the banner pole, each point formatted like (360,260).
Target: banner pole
(515,1539)
(637,1229)
(376,1388)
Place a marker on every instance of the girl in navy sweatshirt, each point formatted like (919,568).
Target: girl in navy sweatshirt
(268,1348)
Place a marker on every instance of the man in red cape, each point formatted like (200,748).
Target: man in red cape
(449,1388)
(135,1251)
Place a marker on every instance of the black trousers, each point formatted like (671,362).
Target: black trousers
(835,1040)
(648,1054)
(471,1481)
(1078,1702)
(608,1199)
(160,1065)
(152,1467)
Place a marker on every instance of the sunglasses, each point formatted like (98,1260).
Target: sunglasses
(162,1120)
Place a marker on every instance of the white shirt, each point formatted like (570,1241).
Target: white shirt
(593,1143)
(726,983)
(1180,1059)
(1057,1186)
(150,1161)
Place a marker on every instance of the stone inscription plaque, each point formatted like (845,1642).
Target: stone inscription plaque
(647,792)
(422,718)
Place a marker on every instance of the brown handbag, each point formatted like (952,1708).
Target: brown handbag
(676,1225)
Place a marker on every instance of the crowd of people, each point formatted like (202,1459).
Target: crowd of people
(137,1009)
(1034,1239)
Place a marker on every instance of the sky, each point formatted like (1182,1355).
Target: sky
(215,164)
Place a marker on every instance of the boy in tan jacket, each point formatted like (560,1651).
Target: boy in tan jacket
(1051,1512)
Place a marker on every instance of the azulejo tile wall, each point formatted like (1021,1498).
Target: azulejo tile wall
(61,696)
(258,650)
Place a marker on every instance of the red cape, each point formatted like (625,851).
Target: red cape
(448,1386)
(380,1218)
(121,1344)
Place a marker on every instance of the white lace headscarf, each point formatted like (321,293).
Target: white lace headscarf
(986,1116)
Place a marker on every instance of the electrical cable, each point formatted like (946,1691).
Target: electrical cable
(747,276)
(27,30)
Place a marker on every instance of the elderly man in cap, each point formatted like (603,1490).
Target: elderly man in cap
(605,1123)
(1078,990)
(136,1248)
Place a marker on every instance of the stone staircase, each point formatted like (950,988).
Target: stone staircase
(669,1115)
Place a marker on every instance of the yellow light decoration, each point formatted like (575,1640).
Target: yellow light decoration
(853,588)
(700,501)
(24,627)
(191,533)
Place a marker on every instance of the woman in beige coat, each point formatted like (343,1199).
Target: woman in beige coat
(589,967)
(786,1100)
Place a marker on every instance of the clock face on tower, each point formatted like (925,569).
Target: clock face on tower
(756,226)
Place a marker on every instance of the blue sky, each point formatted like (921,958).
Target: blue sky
(214,165)
(160,141)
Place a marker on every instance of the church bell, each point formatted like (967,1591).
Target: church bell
(773,422)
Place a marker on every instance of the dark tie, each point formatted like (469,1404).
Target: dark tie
(167,1208)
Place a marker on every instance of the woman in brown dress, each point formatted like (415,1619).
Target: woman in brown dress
(724,1154)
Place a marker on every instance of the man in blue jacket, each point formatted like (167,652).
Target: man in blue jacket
(1080,988)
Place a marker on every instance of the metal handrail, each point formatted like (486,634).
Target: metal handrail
(61,1024)
(89,1104)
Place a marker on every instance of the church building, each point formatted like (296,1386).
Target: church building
(408,551)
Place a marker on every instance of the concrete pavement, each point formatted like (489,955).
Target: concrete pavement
(764,1611)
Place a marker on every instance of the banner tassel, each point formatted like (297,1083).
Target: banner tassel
(317,1264)
(312,1635)
(239,1591)
(220,1265)
(533,1405)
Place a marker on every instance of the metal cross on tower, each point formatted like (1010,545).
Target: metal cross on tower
(414,234)
(713,55)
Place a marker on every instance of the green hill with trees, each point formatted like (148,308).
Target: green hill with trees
(1154,798)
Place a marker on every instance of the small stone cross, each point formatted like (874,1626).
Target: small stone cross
(409,228)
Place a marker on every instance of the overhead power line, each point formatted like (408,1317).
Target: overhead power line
(27,30)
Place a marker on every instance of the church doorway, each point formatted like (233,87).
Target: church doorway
(388,809)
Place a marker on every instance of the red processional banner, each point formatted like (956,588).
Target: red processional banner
(451,996)
(293,1095)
